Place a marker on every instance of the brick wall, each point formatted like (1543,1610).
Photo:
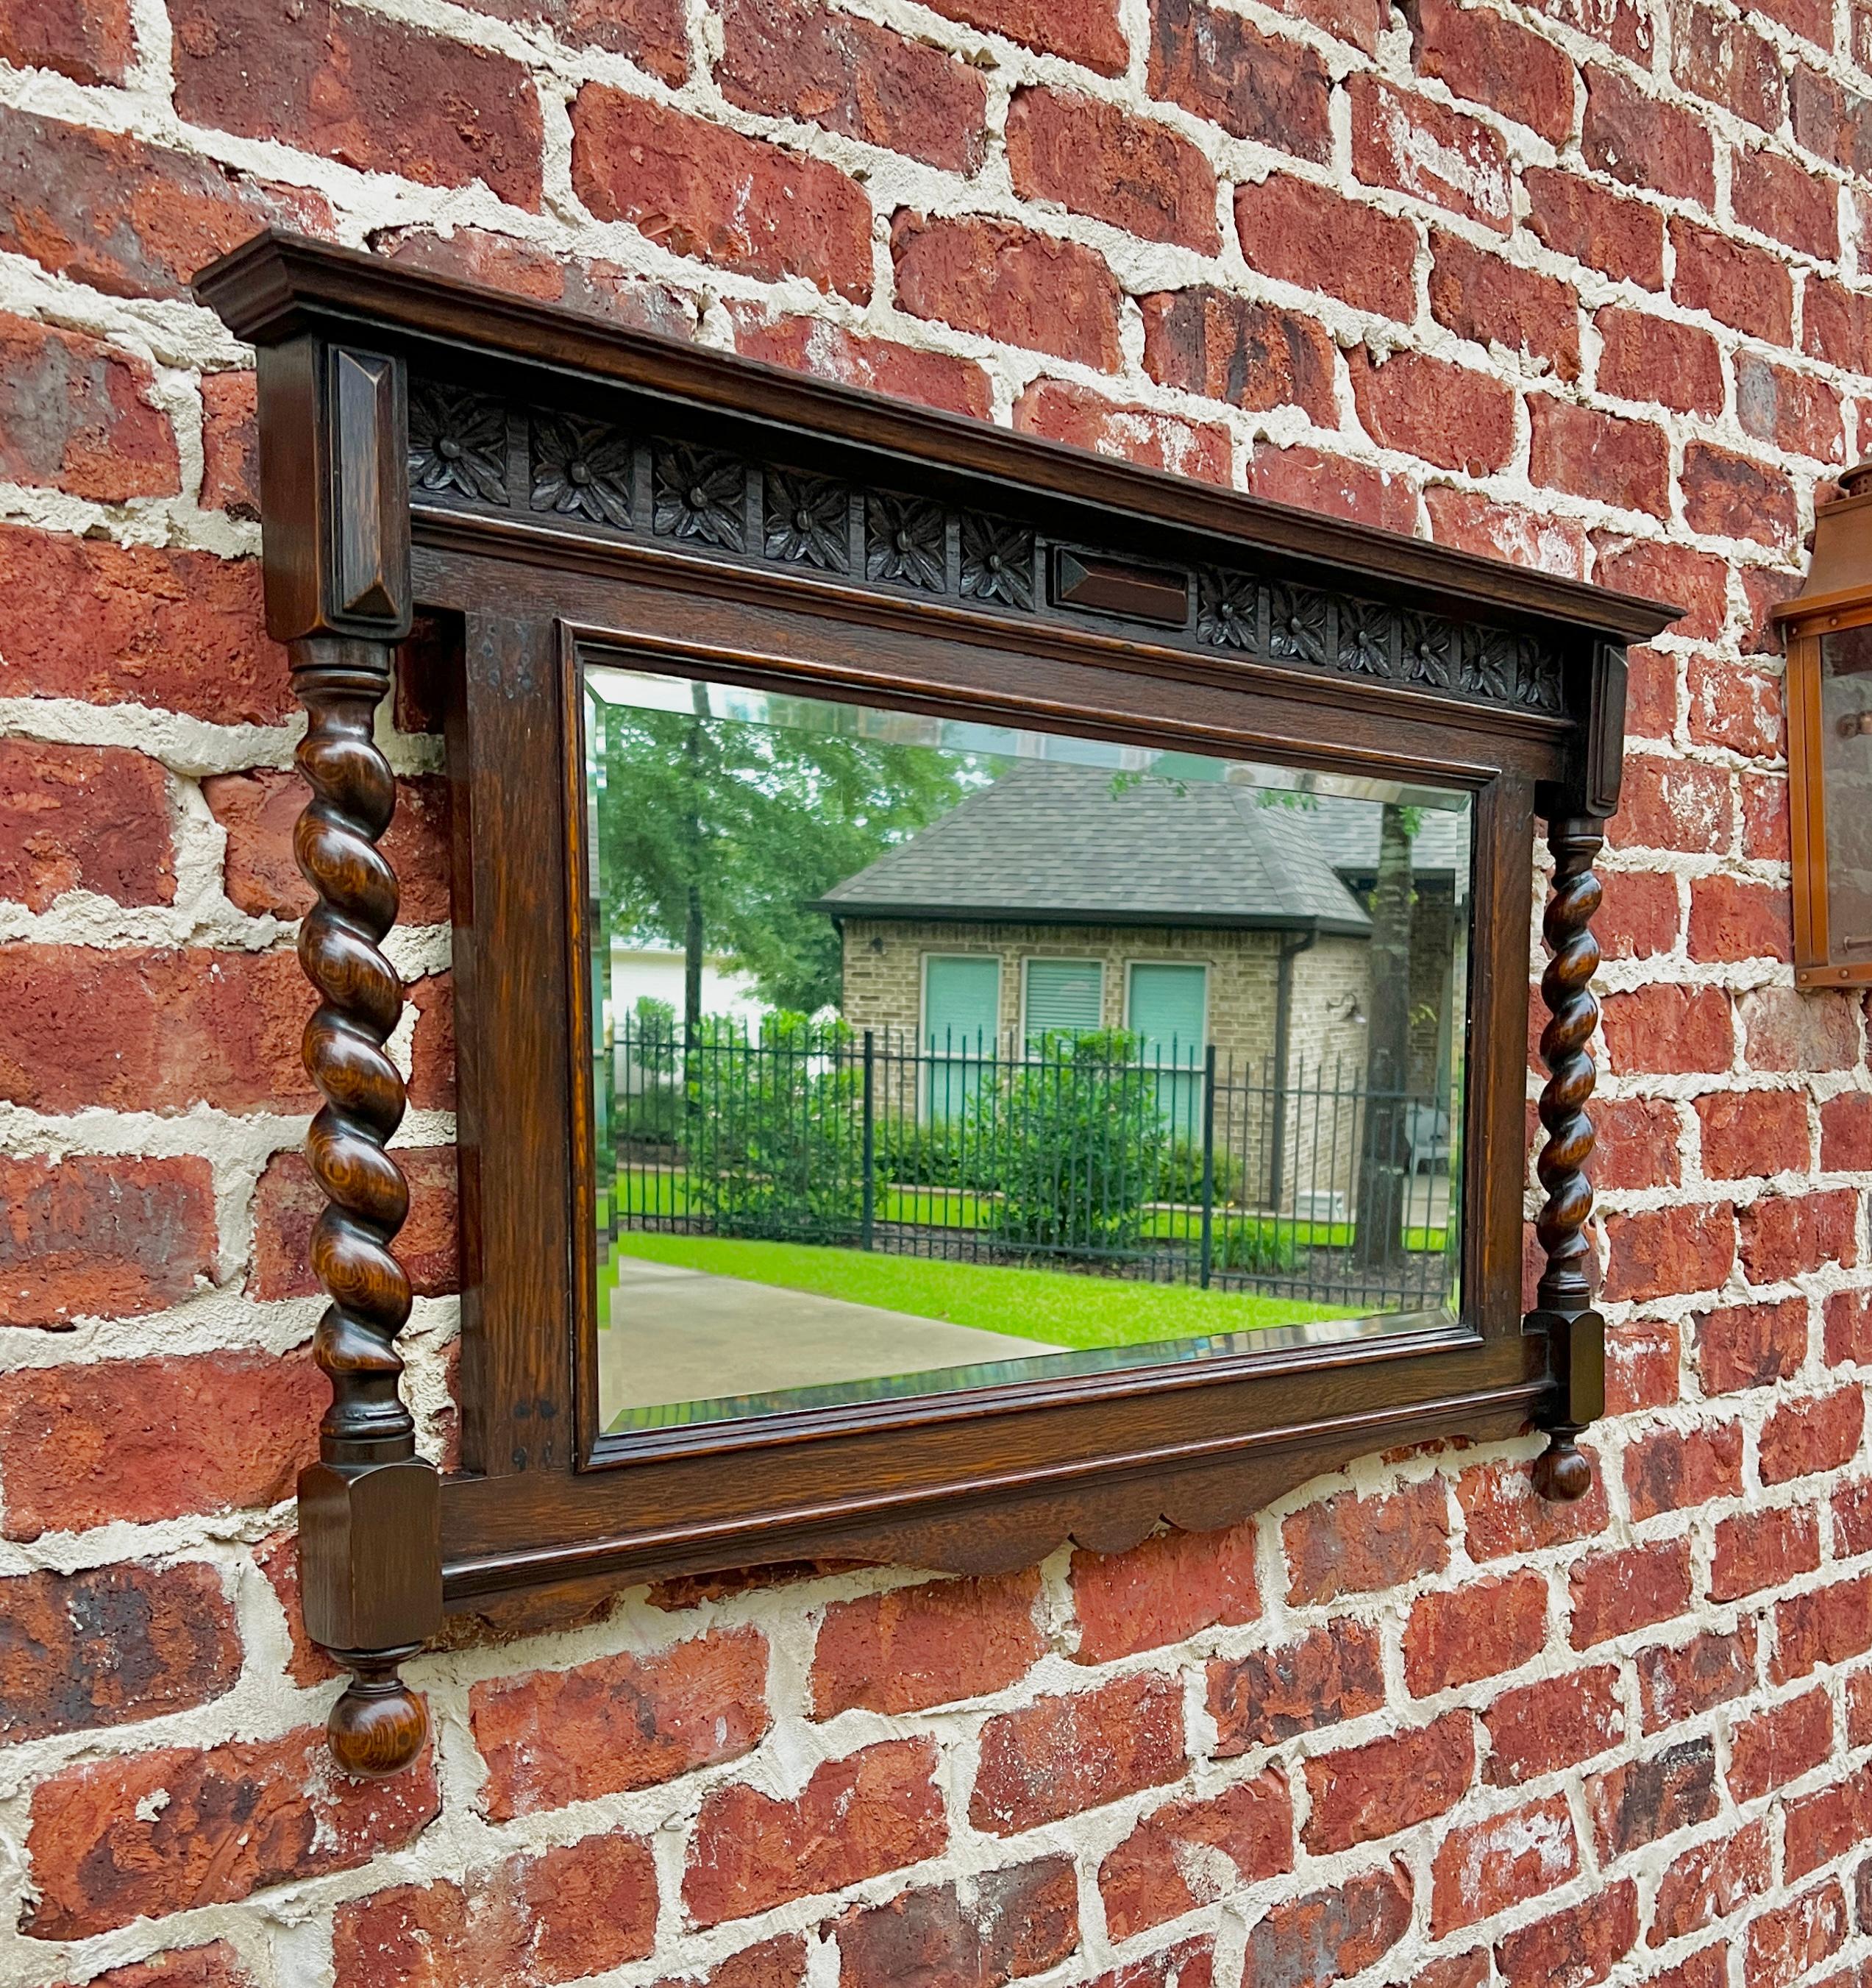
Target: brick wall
(1584,283)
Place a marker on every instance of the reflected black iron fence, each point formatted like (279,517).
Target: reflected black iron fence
(1093,1152)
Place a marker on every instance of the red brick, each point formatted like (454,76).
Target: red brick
(213,1966)
(555,1736)
(1764,589)
(1846,1132)
(150,1834)
(1252,355)
(1474,523)
(701,191)
(876,1810)
(1485,1867)
(1642,1359)
(369,92)
(110,1646)
(1819,1828)
(1731,920)
(1667,1028)
(1751,1346)
(1837,325)
(1726,495)
(1644,141)
(1653,1796)
(1492,301)
(1188,1854)
(103,1238)
(812,345)
(78,416)
(1503,1514)
(1096,159)
(1024,1920)
(1764,1549)
(1163,1590)
(142,1440)
(257,811)
(1476,1630)
(1784,1029)
(152,1031)
(1646,358)
(127,218)
(278,1559)
(1061,1755)
(1350,1545)
(1061,410)
(1779,198)
(1859,1725)
(1487,60)
(1848,1321)
(1461,1970)
(1275,92)
(914,1647)
(1191,1964)
(1852,1520)
(1574,217)
(1677,1683)
(1695,582)
(1827,1625)
(1784,1234)
(1831,121)
(1728,62)
(1793,411)
(1621,25)
(1821,1432)
(1334,1673)
(1753,1133)
(598,289)
(1670,803)
(230,444)
(1432,409)
(1640,917)
(1088,32)
(578,1909)
(288,1201)
(1737,283)
(1732,704)
(1670,1470)
(1311,480)
(1330,1936)
(1668,1251)
(1709,1882)
(1652,691)
(1006,283)
(90,41)
(1614,1593)
(1590,454)
(1407,1777)
(1552,1723)
(1783,1944)
(1574,1948)
(794,59)
(432,1050)
(1424,148)
(118,624)
(1306,234)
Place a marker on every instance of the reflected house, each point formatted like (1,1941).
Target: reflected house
(1192,915)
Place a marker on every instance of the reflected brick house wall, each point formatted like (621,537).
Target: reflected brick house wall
(1585,284)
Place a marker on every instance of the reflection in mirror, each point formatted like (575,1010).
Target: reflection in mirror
(930,1054)
(1845,764)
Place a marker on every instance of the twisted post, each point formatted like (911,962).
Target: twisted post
(1564,1309)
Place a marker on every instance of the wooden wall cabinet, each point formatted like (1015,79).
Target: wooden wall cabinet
(553,489)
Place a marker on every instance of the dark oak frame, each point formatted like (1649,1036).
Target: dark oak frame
(557,485)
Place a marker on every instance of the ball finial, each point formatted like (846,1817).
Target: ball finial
(378,1727)
(1563,1473)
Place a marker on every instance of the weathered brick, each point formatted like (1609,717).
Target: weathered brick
(1096,159)
(1493,301)
(154,1833)
(1726,495)
(1061,411)
(1252,355)
(1819,1828)
(1647,358)
(796,58)
(1752,1133)
(1312,480)
(597,288)
(278,1559)
(1736,282)
(1474,523)
(1007,282)
(136,624)
(1191,1964)
(1308,235)
(1848,1328)
(1350,1545)
(1574,217)
(1432,409)
(1334,1673)
(1670,804)
(1552,1723)
(1786,1029)
(432,1050)
(1821,1432)
(701,190)
(1061,1755)
(1164,1589)
(1023,1920)
(1794,411)
(1678,1682)
(142,1440)
(913,1647)
(777,1962)
(108,1645)
(288,1201)
(1486,58)
(1709,1881)
(1331,1935)
(1212,62)
(1476,1630)
(1421,147)
(1188,1854)
(550,1737)
(1846,1132)
(1665,1029)
(873,1812)
(1614,1593)
(1764,1549)
(1831,120)
(1621,25)
(1779,196)
(1644,141)
(87,1237)
(1588,453)
(77,415)
(1728,62)
(1669,1789)
(1837,324)
(1503,1514)
(1365,1793)
(1732,920)
(1642,1359)
(1661,1252)
(90,41)
(1696,581)
(1089,33)
(812,345)
(230,444)
(1483,1867)
(215,1966)
(1825,1625)
(1783,1234)
(1573,1948)
(1787,1941)
(1670,1470)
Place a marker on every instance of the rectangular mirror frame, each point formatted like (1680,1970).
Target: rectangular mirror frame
(414,432)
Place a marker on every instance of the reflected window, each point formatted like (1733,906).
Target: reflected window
(1846,761)
(929,1054)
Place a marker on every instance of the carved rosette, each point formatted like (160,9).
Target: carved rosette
(1564,1296)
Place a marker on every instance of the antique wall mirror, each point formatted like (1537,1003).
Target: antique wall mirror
(991,984)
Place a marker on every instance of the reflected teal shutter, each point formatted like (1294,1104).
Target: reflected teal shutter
(1063,994)
(962,1017)
(1166,1010)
